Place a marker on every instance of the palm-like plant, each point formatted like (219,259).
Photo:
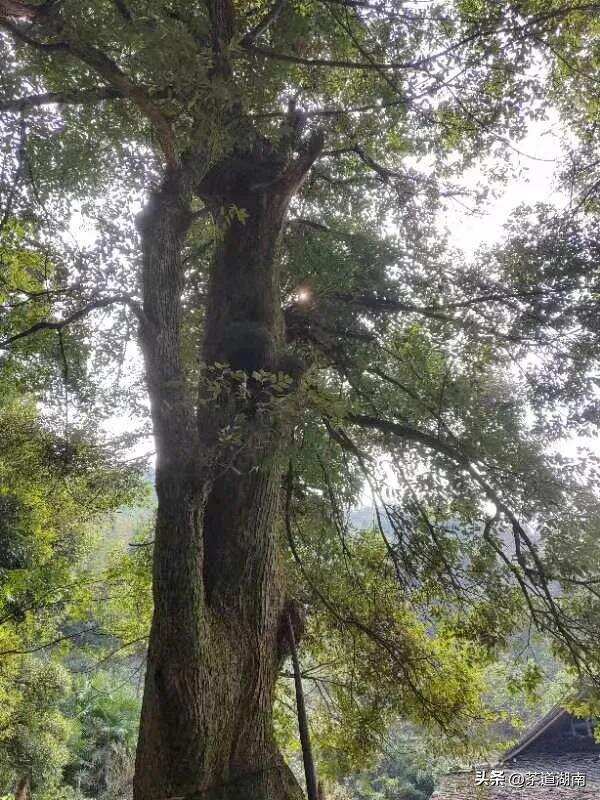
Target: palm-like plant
(106,746)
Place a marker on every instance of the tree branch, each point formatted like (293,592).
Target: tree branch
(267,52)
(80,97)
(14,9)
(407,432)
(58,325)
(114,75)
(94,58)
(309,223)
(59,639)
(436,312)
(339,112)
(297,171)
(45,47)
(400,658)
(389,304)
(264,24)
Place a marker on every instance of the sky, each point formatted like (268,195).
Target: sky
(534,162)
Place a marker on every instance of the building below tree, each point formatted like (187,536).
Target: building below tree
(558,758)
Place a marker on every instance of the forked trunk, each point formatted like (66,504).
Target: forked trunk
(214,654)
(218,631)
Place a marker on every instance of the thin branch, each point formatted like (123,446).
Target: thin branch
(338,112)
(20,171)
(80,97)
(14,9)
(369,63)
(265,23)
(410,433)
(119,649)
(58,325)
(332,63)
(59,639)
(309,223)
(407,432)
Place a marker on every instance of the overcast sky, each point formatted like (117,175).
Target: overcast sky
(534,161)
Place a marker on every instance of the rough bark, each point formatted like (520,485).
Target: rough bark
(23,790)
(218,631)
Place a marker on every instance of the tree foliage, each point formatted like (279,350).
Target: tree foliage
(441,387)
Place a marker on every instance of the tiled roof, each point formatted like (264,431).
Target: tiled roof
(536,730)
(529,769)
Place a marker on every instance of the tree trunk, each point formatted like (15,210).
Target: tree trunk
(218,632)
(23,790)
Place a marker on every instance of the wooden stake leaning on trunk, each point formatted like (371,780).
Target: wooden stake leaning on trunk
(312,790)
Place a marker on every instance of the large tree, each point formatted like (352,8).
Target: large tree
(289,337)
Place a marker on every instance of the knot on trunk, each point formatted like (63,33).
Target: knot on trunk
(248,346)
